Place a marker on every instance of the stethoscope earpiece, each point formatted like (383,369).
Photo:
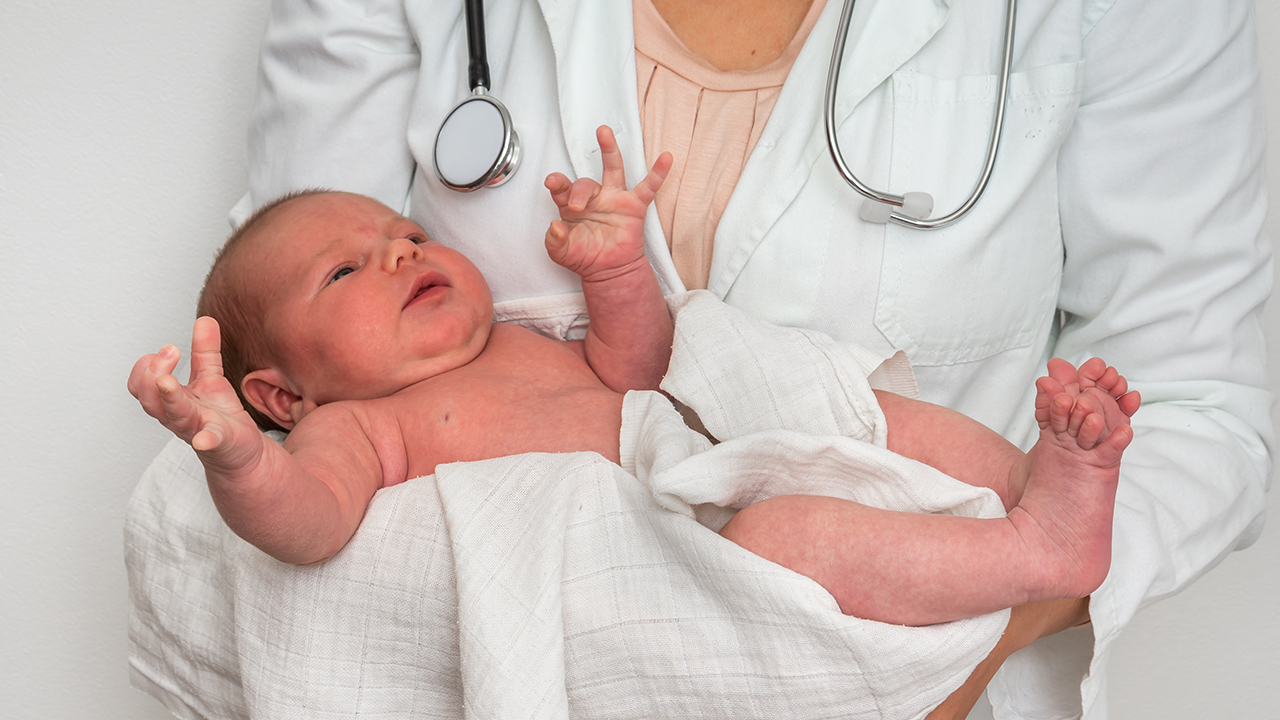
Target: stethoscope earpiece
(477,147)
(916,205)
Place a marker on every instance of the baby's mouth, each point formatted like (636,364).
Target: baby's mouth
(428,286)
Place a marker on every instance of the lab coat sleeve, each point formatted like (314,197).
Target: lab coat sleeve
(335,88)
(1162,197)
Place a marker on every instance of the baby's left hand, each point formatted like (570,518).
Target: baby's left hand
(601,231)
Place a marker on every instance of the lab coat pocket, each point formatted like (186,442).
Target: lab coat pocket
(989,282)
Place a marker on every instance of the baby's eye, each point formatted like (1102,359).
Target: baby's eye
(418,239)
(343,272)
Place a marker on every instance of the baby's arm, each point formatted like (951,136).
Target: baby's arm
(300,507)
(601,238)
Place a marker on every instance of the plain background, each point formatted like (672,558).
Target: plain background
(122,132)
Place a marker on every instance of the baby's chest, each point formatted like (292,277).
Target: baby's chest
(478,421)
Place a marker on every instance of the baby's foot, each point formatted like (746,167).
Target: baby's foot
(1093,373)
(1064,514)
(1092,376)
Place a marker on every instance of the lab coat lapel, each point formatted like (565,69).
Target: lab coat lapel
(594,45)
(883,35)
(595,70)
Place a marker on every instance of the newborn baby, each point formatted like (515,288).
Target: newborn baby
(331,316)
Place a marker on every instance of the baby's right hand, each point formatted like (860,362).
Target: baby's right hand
(206,413)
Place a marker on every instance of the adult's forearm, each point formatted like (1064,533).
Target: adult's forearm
(1027,624)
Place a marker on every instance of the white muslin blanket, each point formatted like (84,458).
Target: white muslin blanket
(562,585)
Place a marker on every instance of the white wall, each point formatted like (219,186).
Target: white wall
(122,131)
(121,147)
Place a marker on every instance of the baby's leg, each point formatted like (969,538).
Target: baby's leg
(894,567)
(954,443)
(920,569)
(1065,509)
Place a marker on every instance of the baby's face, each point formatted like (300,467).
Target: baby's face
(361,303)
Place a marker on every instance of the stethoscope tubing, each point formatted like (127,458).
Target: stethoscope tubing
(833,144)
(477,54)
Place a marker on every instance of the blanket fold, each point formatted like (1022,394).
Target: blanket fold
(562,585)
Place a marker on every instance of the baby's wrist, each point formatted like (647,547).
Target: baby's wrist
(241,463)
(637,268)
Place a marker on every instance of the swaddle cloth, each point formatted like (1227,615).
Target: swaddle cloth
(562,585)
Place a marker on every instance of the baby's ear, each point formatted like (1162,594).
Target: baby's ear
(268,391)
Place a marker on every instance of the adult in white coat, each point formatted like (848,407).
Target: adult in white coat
(1123,220)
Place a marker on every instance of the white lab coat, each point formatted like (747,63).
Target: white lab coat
(1123,220)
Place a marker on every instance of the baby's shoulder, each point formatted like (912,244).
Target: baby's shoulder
(365,433)
(345,421)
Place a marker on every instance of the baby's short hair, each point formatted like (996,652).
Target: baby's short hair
(241,314)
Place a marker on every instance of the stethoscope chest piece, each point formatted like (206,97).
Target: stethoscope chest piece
(477,147)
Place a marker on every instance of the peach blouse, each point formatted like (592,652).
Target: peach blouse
(710,120)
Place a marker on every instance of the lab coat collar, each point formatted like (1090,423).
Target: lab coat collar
(594,46)
(883,35)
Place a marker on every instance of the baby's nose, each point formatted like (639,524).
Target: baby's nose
(399,250)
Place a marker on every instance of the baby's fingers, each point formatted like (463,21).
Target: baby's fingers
(558,184)
(181,413)
(613,174)
(1064,373)
(571,196)
(557,240)
(187,418)
(581,192)
(647,189)
(142,379)
(206,350)
(1129,402)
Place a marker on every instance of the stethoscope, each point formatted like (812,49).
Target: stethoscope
(911,209)
(477,146)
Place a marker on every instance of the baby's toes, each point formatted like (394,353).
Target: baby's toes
(1113,383)
(1110,449)
(1085,406)
(1091,430)
(1091,372)
(1129,403)
(1060,407)
(1046,390)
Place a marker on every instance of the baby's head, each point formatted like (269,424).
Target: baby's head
(325,296)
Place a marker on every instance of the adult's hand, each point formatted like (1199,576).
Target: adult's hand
(1027,624)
